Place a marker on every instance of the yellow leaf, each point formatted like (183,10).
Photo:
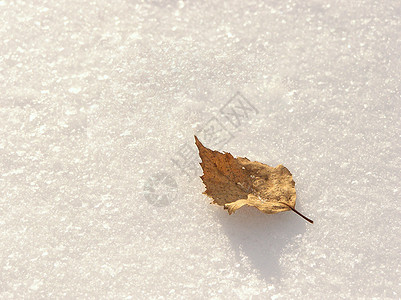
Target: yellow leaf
(235,182)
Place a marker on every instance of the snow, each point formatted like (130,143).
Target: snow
(99,174)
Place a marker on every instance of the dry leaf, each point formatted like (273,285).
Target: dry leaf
(235,182)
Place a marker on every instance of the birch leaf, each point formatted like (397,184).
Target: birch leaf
(235,182)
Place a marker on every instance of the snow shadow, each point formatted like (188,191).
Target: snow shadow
(261,237)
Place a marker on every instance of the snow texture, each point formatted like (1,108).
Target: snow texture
(99,175)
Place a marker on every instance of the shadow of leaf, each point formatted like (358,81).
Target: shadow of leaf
(261,237)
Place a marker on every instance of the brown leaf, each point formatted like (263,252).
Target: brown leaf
(235,182)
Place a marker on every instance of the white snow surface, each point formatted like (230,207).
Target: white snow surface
(99,176)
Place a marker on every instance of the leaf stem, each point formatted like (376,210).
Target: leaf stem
(298,213)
